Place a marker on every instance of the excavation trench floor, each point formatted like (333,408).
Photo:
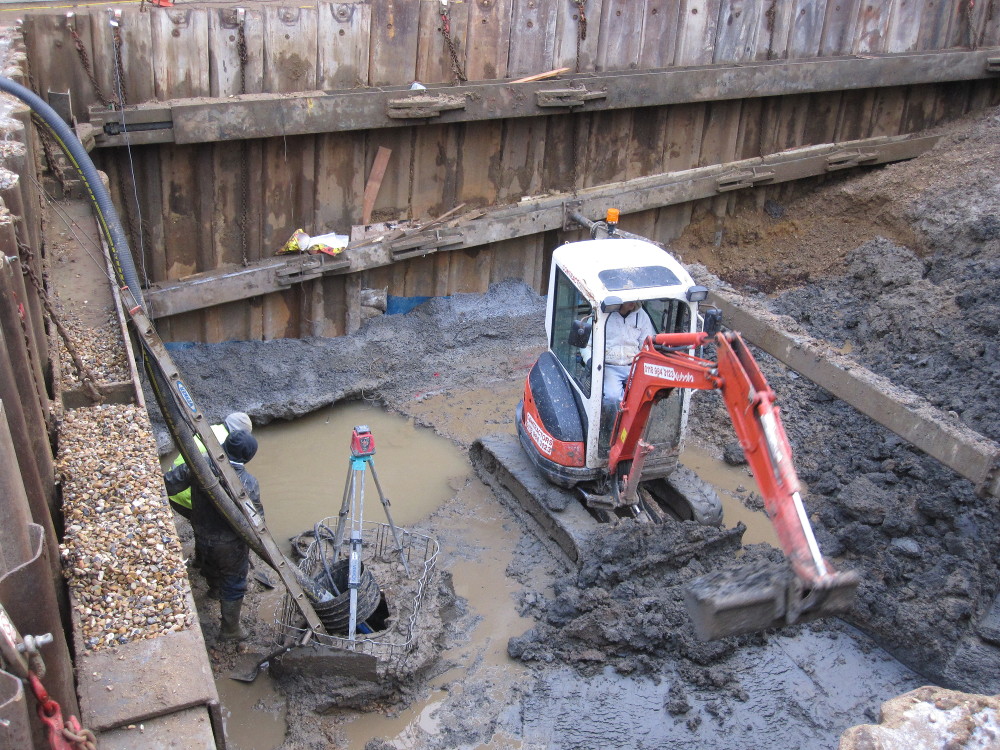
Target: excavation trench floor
(896,265)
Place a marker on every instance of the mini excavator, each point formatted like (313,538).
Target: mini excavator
(619,461)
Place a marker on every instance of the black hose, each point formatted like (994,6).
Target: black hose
(121,256)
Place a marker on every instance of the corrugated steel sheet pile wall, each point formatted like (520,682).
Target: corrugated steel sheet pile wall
(31,587)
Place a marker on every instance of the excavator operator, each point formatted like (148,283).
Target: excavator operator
(624,334)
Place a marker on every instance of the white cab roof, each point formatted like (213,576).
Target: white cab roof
(626,268)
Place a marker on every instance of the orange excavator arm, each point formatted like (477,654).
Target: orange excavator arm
(665,362)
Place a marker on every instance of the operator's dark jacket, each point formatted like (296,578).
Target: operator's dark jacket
(206,521)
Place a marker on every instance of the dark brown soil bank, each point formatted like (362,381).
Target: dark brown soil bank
(925,316)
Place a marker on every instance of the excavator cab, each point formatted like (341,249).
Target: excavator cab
(584,293)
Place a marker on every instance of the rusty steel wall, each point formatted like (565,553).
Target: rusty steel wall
(208,205)
(32,591)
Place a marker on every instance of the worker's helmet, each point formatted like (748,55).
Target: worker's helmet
(240,446)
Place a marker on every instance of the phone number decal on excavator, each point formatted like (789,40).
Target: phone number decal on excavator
(542,440)
(666,373)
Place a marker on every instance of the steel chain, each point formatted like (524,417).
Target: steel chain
(85,61)
(456,67)
(241,46)
(581,25)
(49,152)
(61,735)
(119,67)
(32,358)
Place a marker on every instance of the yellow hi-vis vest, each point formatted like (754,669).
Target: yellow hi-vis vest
(184,496)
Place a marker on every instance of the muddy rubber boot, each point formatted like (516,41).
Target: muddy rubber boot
(231,630)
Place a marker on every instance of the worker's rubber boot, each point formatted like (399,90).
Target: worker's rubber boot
(231,630)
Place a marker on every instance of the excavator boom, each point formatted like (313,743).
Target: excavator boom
(737,601)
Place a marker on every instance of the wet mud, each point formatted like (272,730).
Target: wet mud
(606,657)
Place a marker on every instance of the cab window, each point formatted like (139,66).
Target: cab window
(669,315)
(572,323)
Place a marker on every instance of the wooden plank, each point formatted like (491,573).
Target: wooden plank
(136,79)
(523,159)
(434,63)
(904,25)
(180,53)
(621,34)
(180,67)
(659,34)
(839,26)
(470,270)
(345,37)
(935,24)
(872,27)
(236,167)
(182,219)
(290,39)
(374,182)
(739,22)
(696,37)
(685,128)
(488,39)
(53,58)
(610,142)
(580,55)
(228,75)
(532,39)
(344,51)
(340,182)
(434,171)
(393,202)
(393,45)
(988,25)
(647,153)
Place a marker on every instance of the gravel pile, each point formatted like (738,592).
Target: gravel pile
(121,555)
(100,349)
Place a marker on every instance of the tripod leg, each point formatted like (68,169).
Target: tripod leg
(344,509)
(388,515)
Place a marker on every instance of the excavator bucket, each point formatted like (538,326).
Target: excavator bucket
(762,596)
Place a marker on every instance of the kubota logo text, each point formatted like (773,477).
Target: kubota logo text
(542,440)
(666,373)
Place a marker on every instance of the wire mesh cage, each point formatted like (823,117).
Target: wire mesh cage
(398,595)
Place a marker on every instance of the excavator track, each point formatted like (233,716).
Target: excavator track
(562,517)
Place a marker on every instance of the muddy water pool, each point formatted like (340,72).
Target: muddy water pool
(302,467)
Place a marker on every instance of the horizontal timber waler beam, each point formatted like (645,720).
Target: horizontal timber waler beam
(910,416)
(530,216)
(204,120)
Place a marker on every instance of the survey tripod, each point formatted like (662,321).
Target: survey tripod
(362,458)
